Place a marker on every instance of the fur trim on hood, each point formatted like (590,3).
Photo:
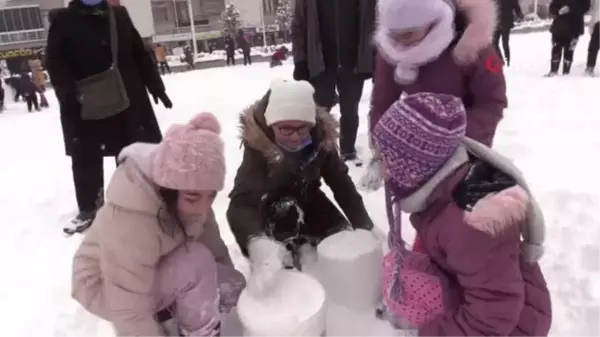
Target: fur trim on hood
(482,17)
(255,134)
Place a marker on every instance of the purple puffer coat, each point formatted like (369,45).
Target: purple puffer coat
(481,85)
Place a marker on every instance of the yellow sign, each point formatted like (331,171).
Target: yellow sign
(11,54)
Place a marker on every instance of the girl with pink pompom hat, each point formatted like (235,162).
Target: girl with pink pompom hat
(154,263)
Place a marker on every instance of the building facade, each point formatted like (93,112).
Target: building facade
(172,21)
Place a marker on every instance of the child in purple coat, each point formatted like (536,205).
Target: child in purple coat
(482,231)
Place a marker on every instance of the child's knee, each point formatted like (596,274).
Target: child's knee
(190,259)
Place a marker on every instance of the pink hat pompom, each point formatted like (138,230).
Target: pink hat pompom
(206,121)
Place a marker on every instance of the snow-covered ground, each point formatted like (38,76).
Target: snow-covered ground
(550,130)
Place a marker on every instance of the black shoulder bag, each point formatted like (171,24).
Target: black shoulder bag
(104,95)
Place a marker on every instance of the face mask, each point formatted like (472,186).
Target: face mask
(302,146)
(92,2)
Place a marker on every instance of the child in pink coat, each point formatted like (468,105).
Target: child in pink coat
(154,259)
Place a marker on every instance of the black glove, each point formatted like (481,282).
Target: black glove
(301,72)
(164,99)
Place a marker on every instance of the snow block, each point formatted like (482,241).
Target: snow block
(350,267)
(342,321)
(294,306)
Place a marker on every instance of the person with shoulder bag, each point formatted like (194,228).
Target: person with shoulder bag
(101,73)
(594,38)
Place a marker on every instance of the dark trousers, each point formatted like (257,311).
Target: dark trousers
(247,59)
(350,88)
(88,178)
(18,94)
(1,98)
(563,49)
(503,34)
(32,101)
(164,66)
(593,47)
(231,59)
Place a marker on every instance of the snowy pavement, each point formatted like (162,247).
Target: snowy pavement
(551,130)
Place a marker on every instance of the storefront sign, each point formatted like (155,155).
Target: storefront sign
(213,34)
(11,54)
(164,38)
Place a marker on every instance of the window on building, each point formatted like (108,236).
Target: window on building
(22,18)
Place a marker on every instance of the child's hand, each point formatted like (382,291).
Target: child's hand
(563,10)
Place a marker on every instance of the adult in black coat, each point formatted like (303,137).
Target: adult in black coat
(230,50)
(243,44)
(507,9)
(566,29)
(79,46)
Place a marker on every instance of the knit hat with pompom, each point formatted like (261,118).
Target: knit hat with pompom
(190,157)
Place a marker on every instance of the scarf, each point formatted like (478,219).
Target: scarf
(408,59)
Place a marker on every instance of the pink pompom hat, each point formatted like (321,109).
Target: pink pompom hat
(191,156)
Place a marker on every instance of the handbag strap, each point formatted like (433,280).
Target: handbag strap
(114,39)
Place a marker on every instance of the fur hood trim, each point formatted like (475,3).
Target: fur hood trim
(255,134)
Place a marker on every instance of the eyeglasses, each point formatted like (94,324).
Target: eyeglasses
(287,131)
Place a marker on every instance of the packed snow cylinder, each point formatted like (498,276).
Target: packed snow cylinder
(350,267)
(293,306)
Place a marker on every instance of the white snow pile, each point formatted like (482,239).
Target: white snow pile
(294,306)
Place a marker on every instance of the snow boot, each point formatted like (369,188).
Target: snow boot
(551,74)
(589,71)
(81,222)
(567,67)
(353,158)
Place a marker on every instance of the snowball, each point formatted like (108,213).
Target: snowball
(349,245)
(294,306)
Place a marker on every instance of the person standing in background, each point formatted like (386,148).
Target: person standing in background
(1,97)
(567,27)
(160,52)
(39,79)
(507,9)
(30,91)
(230,50)
(331,45)
(189,58)
(79,47)
(243,44)
(594,39)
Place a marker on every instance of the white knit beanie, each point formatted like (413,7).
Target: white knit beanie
(291,101)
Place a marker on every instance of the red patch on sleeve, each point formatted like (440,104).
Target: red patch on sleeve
(494,64)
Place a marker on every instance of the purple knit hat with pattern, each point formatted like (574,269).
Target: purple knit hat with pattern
(416,136)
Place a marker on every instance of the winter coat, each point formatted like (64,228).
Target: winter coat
(481,85)
(571,24)
(242,43)
(161,53)
(27,87)
(469,217)
(114,269)
(37,73)
(506,13)
(268,174)
(78,47)
(229,45)
(307,45)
